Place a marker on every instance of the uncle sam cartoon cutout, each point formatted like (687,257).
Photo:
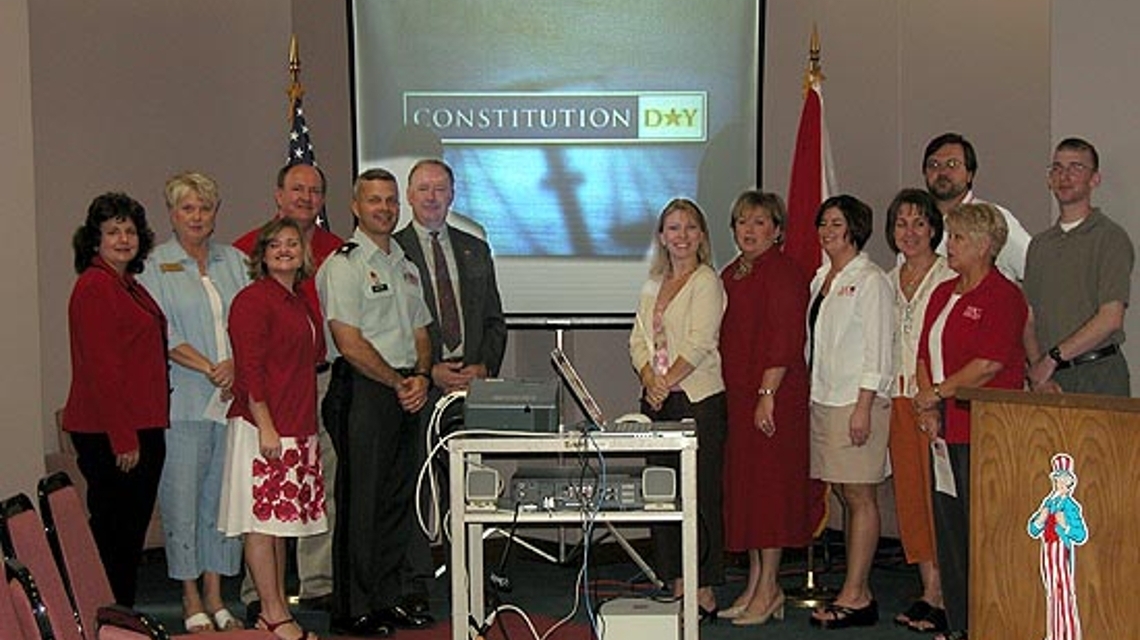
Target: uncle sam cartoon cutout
(1060,526)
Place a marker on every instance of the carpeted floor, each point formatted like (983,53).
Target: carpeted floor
(546,593)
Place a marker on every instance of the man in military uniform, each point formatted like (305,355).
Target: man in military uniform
(378,322)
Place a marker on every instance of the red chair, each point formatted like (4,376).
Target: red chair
(22,537)
(23,615)
(77,560)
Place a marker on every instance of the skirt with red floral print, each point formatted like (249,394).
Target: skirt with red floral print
(283,496)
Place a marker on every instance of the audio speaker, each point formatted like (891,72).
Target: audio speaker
(483,488)
(659,488)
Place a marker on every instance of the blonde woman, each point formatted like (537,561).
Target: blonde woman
(673,349)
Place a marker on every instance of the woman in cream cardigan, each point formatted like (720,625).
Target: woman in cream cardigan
(673,348)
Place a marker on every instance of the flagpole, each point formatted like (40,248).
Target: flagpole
(300,147)
(295,90)
(808,186)
(813,76)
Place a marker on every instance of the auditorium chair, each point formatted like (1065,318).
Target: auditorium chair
(23,615)
(66,563)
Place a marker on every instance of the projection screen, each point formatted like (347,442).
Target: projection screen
(569,124)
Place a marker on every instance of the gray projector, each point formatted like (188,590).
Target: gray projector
(512,405)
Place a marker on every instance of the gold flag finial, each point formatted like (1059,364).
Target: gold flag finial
(295,90)
(814,74)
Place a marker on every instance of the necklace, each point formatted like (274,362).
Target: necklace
(743,268)
(910,283)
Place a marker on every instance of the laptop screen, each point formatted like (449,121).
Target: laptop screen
(577,388)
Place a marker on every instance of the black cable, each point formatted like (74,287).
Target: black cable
(499,579)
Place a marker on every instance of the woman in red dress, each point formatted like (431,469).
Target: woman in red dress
(767,492)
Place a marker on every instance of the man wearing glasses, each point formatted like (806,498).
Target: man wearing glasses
(949,165)
(1077,280)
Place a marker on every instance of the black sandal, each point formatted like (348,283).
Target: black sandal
(918,610)
(843,617)
(933,622)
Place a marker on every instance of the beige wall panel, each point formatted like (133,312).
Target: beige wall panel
(21,458)
(125,93)
(900,72)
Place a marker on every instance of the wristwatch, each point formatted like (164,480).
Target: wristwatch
(1055,354)
(765,392)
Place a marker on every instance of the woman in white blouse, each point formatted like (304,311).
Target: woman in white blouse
(850,324)
(673,348)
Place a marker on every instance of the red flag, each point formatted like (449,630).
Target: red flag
(811,182)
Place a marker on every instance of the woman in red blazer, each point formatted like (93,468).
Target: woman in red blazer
(119,401)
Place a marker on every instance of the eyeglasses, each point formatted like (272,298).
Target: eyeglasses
(951,164)
(1072,169)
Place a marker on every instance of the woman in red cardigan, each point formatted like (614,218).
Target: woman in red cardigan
(272,486)
(119,401)
(971,337)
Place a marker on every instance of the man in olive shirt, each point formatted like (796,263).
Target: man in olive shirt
(1077,281)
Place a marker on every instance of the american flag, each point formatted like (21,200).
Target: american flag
(301,149)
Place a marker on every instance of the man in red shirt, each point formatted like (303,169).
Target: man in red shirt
(300,196)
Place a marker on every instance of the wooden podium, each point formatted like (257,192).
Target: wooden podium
(1013,437)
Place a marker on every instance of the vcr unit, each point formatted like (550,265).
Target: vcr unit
(571,489)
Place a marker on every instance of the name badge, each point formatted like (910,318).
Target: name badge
(379,288)
(171,267)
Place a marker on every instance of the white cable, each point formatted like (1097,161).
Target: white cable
(490,619)
(433,532)
(431,529)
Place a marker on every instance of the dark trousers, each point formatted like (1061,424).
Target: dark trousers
(952,525)
(711,415)
(1107,376)
(374,487)
(120,504)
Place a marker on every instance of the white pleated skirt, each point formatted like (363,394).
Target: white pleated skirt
(281,497)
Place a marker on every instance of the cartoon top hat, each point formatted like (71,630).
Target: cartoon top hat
(1062,464)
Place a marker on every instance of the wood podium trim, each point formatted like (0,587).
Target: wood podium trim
(1052,400)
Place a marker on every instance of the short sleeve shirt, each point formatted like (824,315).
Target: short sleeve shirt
(379,294)
(1070,274)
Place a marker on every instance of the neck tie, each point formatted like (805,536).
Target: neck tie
(445,295)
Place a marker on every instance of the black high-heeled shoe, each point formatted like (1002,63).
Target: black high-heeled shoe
(707,615)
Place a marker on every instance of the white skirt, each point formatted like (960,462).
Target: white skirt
(280,497)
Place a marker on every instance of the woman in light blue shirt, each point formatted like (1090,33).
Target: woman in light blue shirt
(194,279)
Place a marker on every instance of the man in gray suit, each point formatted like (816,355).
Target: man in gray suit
(468,335)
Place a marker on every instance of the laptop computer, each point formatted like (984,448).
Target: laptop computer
(596,421)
